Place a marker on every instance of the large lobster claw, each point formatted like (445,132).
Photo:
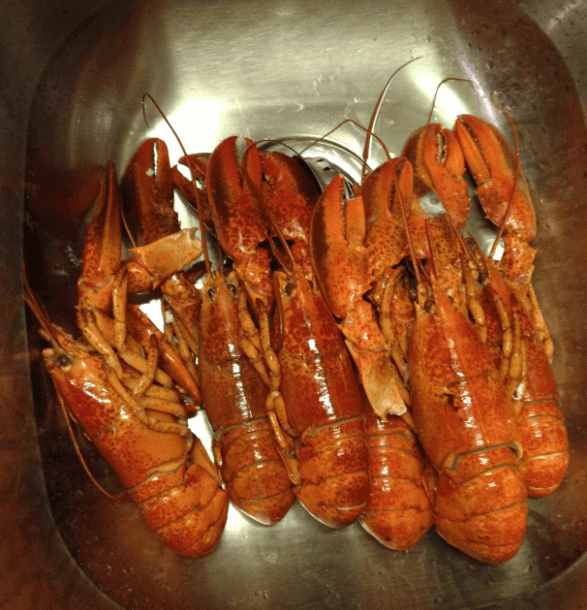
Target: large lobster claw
(384,192)
(102,247)
(340,258)
(239,224)
(492,163)
(341,262)
(439,167)
(288,191)
(147,190)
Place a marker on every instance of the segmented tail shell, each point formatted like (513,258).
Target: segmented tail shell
(398,512)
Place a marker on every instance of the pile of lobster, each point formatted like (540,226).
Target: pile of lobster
(337,337)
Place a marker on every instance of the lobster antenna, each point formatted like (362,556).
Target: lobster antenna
(449,78)
(374,115)
(192,174)
(38,309)
(277,254)
(432,247)
(516,177)
(338,127)
(293,150)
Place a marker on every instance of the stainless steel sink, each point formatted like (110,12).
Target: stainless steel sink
(73,75)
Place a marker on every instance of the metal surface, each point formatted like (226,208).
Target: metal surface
(281,69)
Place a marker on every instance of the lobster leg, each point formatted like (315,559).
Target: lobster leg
(164,251)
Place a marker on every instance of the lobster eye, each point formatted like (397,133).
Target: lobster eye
(212,292)
(429,305)
(232,289)
(63,361)
(289,288)
(483,278)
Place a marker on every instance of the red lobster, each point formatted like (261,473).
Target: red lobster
(505,196)
(356,248)
(138,426)
(233,392)
(314,406)
(465,420)
(505,306)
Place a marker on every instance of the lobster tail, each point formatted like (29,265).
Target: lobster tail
(256,479)
(234,394)
(540,420)
(480,507)
(188,517)
(398,512)
(333,467)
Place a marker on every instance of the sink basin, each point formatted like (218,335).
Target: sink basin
(288,69)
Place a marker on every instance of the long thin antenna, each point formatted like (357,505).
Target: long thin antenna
(446,80)
(356,125)
(374,115)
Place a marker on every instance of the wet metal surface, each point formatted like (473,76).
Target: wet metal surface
(293,70)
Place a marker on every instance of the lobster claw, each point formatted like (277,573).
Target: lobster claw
(152,264)
(384,192)
(240,226)
(492,163)
(147,191)
(233,205)
(341,260)
(287,190)
(102,247)
(439,166)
